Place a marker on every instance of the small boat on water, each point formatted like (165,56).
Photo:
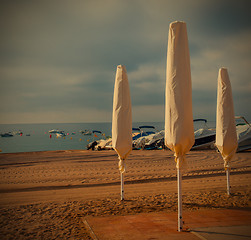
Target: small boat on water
(86,132)
(243,129)
(8,134)
(53,131)
(60,134)
(204,136)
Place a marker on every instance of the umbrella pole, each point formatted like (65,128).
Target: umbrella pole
(228,181)
(122,186)
(180,220)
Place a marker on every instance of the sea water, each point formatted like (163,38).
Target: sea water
(36,137)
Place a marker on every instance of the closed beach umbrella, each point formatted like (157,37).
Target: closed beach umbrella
(179,130)
(226,137)
(122,120)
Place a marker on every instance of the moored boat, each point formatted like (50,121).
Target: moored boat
(204,137)
(243,130)
(8,134)
(86,132)
(60,134)
(53,131)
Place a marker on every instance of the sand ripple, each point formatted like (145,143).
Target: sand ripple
(44,195)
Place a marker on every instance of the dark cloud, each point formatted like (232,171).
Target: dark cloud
(227,17)
(62,55)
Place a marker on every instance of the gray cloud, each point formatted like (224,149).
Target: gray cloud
(58,58)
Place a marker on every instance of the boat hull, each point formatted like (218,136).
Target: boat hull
(204,142)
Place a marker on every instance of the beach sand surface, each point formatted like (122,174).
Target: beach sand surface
(44,195)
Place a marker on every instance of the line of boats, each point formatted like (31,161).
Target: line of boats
(61,133)
(57,132)
(146,137)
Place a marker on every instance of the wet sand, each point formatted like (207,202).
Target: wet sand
(44,195)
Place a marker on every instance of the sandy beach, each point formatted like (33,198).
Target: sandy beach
(45,195)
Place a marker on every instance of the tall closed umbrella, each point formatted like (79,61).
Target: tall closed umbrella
(179,131)
(226,137)
(122,120)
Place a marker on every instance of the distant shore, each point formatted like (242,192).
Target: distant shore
(45,194)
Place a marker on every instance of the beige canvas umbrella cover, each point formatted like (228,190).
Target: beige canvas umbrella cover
(122,117)
(179,130)
(226,137)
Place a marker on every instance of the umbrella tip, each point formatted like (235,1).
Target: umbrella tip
(223,72)
(121,67)
(176,23)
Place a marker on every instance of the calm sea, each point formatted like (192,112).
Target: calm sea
(36,137)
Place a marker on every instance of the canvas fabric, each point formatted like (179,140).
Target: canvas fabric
(226,137)
(179,130)
(122,117)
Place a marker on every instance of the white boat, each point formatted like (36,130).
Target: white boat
(60,134)
(53,131)
(153,140)
(243,130)
(204,137)
(86,132)
(104,144)
(142,131)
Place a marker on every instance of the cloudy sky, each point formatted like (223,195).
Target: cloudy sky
(58,57)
